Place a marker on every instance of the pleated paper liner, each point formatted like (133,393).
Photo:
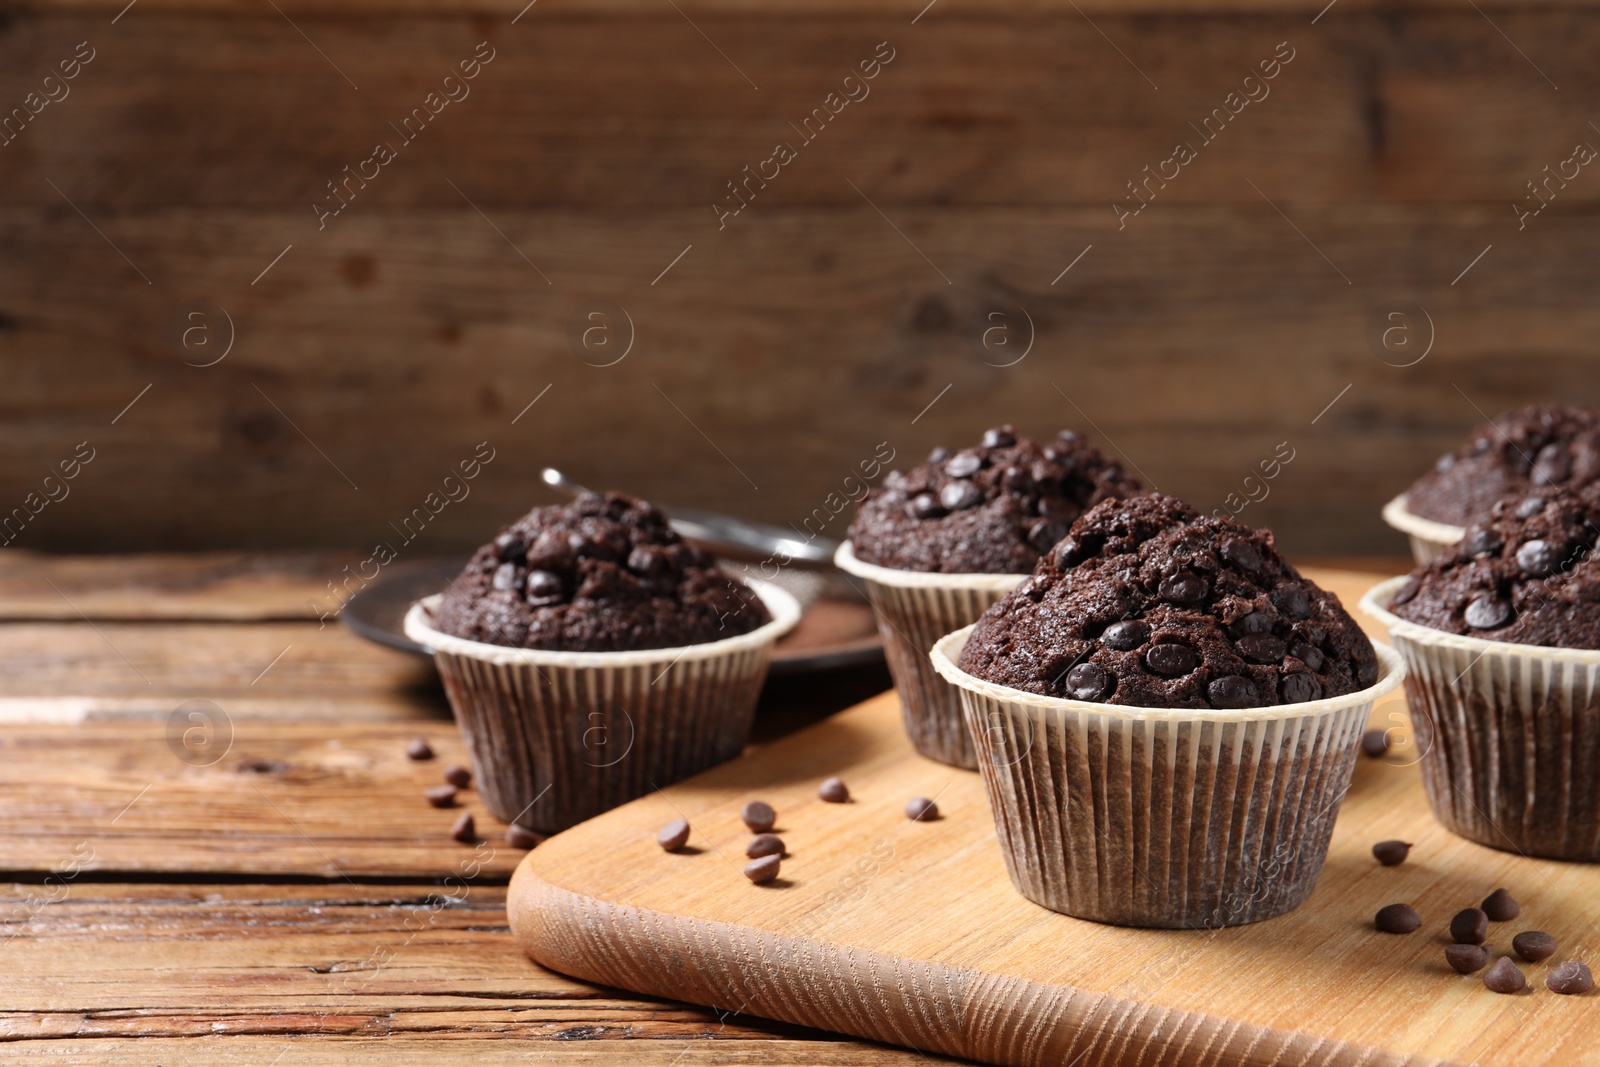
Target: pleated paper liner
(1163,817)
(1429,539)
(1509,735)
(558,737)
(915,609)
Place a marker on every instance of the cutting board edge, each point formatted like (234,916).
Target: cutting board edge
(1025,1022)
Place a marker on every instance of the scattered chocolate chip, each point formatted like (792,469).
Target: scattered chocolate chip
(925,506)
(1391,853)
(764,845)
(509,545)
(921,809)
(1065,555)
(521,837)
(960,494)
(544,588)
(1088,681)
(1254,623)
(419,749)
(1469,927)
(1299,688)
(1170,660)
(1125,636)
(1183,588)
(939,455)
(1466,958)
(1500,906)
(1396,919)
(1310,655)
(505,577)
(458,776)
(1530,506)
(1482,541)
(1487,612)
(464,830)
(1551,465)
(1407,592)
(1242,554)
(1292,601)
(1504,977)
(1044,534)
(441,796)
(1233,691)
(759,816)
(834,791)
(674,835)
(1570,977)
(1262,648)
(1534,945)
(964,465)
(763,870)
(999,437)
(1375,743)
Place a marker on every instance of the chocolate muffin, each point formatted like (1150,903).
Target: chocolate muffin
(1147,603)
(1520,452)
(605,573)
(993,509)
(1525,576)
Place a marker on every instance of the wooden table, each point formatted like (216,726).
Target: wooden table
(264,883)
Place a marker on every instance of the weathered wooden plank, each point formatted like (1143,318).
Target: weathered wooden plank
(1196,340)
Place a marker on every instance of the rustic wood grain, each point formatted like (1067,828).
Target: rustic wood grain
(912,933)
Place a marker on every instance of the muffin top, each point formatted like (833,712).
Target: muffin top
(993,509)
(605,573)
(1520,452)
(1527,575)
(1150,604)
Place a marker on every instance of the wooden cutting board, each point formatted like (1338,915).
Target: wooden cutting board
(911,933)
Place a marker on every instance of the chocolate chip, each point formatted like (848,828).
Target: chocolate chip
(418,748)
(1487,612)
(464,830)
(1367,671)
(1396,919)
(1233,691)
(961,494)
(921,809)
(1407,593)
(1444,463)
(544,588)
(1375,743)
(1125,636)
(1088,681)
(441,796)
(1537,558)
(505,577)
(999,437)
(1466,959)
(939,455)
(1300,688)
(1551,465)
(1170,660)
(1529,507)
(458,776)
(1469,927)
(1183,588)
(1254,623)
(1534,945)
(1065,555)
(1242,554)
(521,837)
(1019,481)
(925,506)
(1262,648)
(674,835)
(834,791)
(1570,977)
(641,560)
(764,845)
(1504,977)
(964,465)
(1391,853)
(1292,601)
(759,816)
(1044,534)
(1479,542)
(1501,906)
(763,870)
(1310,655)
(509,545)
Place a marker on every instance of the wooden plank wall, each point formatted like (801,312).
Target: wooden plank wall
(774,349)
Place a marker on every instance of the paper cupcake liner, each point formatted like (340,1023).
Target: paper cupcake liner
(1429,539)
(1509,735)
(1163,817)
(558,737)
(914,609)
